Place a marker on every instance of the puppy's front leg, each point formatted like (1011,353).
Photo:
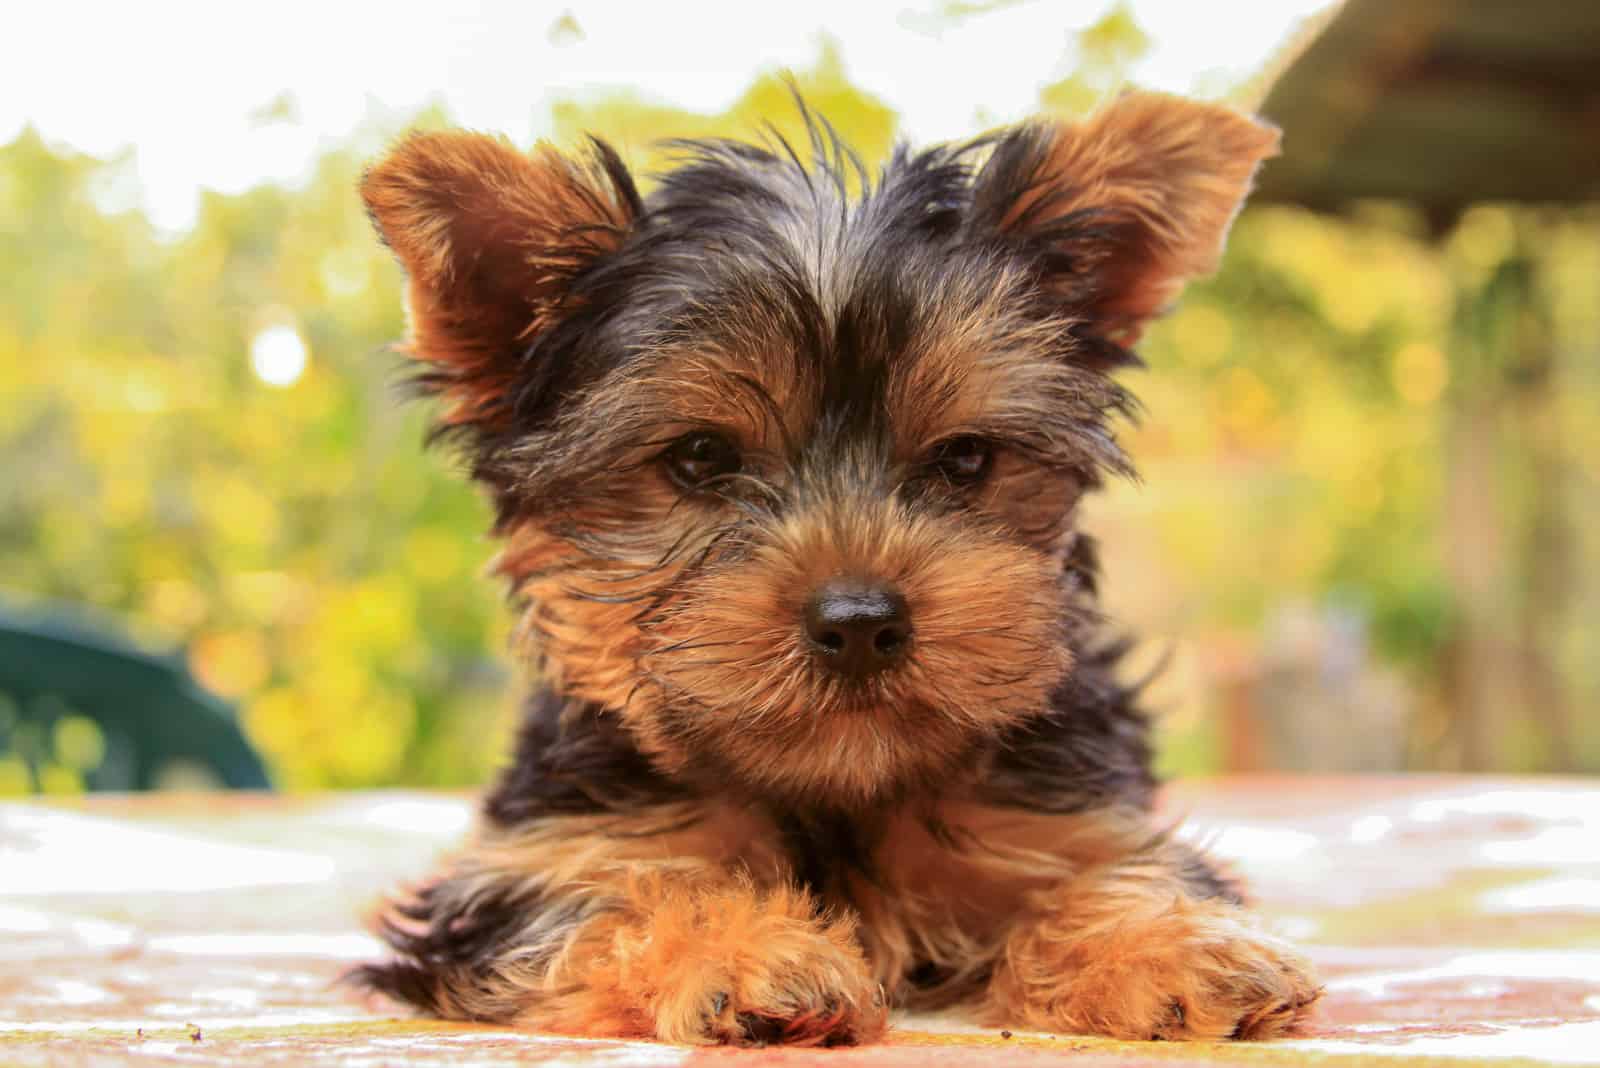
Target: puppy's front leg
(712,960)
(1150,945)
(597,927)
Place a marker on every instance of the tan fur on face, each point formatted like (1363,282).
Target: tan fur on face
(734,674)
(490,239)
(717,664)
(707,662)
(616,550)
(1169,174)
(748,386)
(979,369)
(582,612)
(973,355)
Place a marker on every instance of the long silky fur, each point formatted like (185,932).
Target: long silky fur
(704,834)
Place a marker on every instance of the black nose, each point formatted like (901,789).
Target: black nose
(858,627)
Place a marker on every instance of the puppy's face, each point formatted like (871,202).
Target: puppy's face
(787,479)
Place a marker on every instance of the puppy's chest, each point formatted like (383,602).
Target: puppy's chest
(939,863)
(827,853)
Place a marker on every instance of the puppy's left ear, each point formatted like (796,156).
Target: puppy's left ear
(1126,206)
(493,240)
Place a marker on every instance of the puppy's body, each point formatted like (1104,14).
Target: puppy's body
(787,484)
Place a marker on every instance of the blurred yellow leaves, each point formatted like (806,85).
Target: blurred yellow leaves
(335,728)
(55,779)
(293,543)
(345,271)
(176,605)
(344,716)
(434,554)
(1358,276)
(1245,407)
(1202,333)
(16,780)
(1419,372)
(124,498)
(1483,238)
(60,759)
(78,743)
(1291,423)
(376,616)
(235,507)
(271,596)
(233,663)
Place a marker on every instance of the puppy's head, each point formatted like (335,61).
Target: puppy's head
(787,478)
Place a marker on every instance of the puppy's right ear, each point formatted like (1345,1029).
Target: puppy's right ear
(492,240)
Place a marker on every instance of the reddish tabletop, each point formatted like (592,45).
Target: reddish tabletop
(1451,919)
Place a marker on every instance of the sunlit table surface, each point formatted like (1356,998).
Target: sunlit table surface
(1450,917)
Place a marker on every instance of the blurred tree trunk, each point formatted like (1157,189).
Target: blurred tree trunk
(1508,547)
(1477,667)
(1548,552)
(1474,557)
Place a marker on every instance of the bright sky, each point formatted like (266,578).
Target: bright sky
(179,81)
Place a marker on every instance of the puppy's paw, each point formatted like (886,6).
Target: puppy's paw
(1195,970)
(1219,978)
(803,990)
(740,966)
(796,1012)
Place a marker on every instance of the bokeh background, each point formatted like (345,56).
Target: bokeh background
(1366,533)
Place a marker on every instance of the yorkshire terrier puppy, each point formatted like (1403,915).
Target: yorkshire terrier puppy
(786,463)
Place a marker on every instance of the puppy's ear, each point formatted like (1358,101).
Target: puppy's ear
(1125,206)
(492,240)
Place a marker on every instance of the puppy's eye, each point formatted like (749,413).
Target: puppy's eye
(963,461)
(697,458)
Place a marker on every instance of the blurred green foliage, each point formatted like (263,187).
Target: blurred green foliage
(323,571)
(292,538)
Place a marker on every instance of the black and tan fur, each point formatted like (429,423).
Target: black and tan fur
(707,833)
